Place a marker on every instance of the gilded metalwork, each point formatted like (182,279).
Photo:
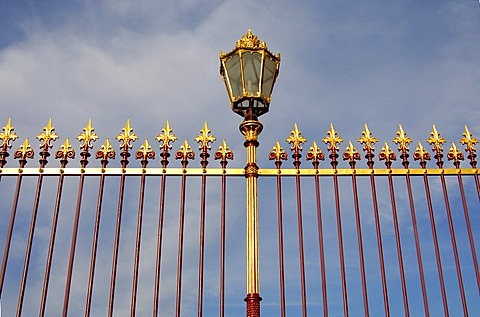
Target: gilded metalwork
(223,153)
(127,137)
(87,137)
(65,152)
(145,153)
(422,155)
(185,153)
(455,155)
(387,154)
(23,152)
(296,139)
(437,141)
(105,152)
(470,142)
(277,153)
(351,154)
(250,40)
(47,136)
(368,139)
(315,154)
(166,137)
(402,139)
(332,139)
(7,136)
(205,138)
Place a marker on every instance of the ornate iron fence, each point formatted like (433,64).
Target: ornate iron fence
(372,241)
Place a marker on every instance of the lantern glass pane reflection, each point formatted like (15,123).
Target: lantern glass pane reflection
(234,75)
(269,69)
(252,63)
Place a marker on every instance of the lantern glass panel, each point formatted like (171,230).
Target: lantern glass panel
(269,69)
(234,75)
(252,63)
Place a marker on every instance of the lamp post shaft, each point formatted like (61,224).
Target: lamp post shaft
(251,129)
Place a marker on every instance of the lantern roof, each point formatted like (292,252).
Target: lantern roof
(250,41)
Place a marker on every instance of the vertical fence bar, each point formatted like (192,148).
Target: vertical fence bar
(297,140)
(369,140)
(126,138)
(25,151)
(223,154)
(351,154)
(403,141)
(204,138)
(104,153)
(185,153)
(46,138)
(65,152)
(166,138)
(388,155)
(457,156)
(144,153)
(437,141)
(278,154)
(422,155)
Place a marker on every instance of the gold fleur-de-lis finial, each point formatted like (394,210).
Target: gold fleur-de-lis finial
(277,153)
(332,139)
(296,139)
(368,139)
(65,152)
(144,153)
(387,154)
(315,154)
(7,136)
(205,138)
(47,136)
(166,137)
(23,152)
(421,154)
(402,139)
(351,154)
(456,155)
(127,137)
(105,152)
(87,136)
(185,153)
(223,154)
(436,140)
(467,140)
(470,142)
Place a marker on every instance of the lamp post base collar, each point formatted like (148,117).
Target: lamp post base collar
(253,305)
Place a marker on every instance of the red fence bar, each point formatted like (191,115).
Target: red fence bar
(457,156)
(437,141)
(351,154)
(223,154)
(403,141)
(369,140)
(297,140)
(387,155)
(166,137)
(64,153)
(185,153)
(278,154)
(104,153)
(333,140)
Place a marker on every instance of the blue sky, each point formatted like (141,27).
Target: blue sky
(346,62)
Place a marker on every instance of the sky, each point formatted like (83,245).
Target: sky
(383,63)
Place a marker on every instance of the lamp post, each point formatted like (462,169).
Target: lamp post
(249,72)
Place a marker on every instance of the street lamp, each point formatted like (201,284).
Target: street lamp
(249,72)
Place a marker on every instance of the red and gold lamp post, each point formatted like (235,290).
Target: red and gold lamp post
(249,72)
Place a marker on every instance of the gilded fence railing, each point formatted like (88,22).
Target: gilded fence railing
(326,249)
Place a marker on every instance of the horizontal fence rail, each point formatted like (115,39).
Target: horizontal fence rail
(162,240)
